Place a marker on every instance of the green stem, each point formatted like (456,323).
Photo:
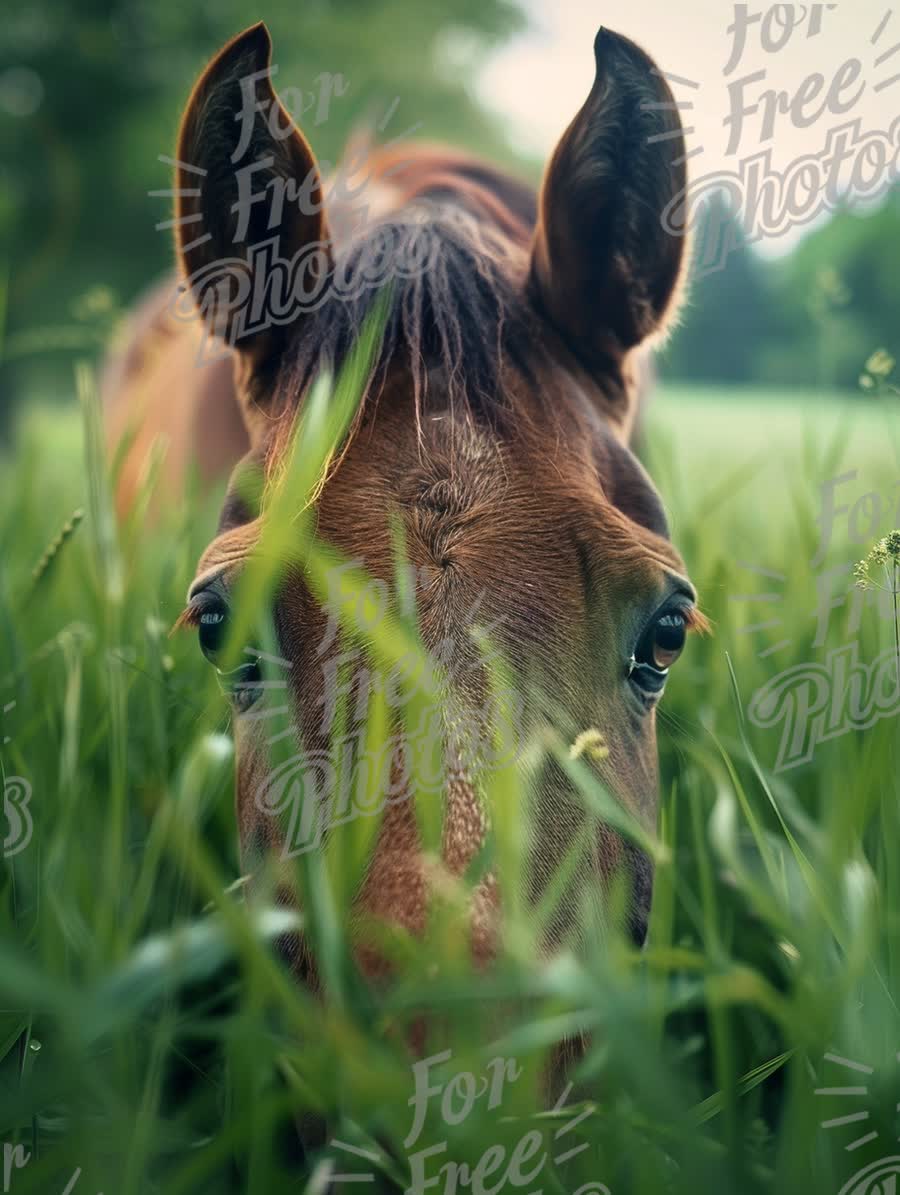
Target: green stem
(896,620)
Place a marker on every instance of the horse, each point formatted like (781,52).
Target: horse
(495,423)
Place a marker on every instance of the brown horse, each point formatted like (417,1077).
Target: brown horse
(496,420)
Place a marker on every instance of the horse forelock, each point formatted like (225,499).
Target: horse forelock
(457,320)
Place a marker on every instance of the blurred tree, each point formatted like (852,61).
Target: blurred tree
(811,318)
(838,295)
(726,318)
(90,96)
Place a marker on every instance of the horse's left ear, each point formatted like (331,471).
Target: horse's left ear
(604,269)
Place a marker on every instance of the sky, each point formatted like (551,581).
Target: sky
(540,79)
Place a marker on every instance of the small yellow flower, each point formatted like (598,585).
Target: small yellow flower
(591,743)
(881,364)
(885,553)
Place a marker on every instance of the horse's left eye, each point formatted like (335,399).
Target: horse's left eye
(663,641)
(659,647)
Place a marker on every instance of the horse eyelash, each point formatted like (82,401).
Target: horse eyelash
(696,620)
(189,617)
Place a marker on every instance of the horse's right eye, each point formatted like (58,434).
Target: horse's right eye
(212,625)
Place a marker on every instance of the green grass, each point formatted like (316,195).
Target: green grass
(150,1040)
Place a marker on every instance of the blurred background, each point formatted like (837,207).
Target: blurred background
(91,92)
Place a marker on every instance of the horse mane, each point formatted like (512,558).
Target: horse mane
(459,321)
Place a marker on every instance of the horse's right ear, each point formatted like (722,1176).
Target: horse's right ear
(245,175)
(604,269)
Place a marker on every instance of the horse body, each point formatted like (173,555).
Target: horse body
(496,422)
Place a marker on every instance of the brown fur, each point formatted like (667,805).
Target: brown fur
(496,419)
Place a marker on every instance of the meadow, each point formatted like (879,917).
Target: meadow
(151,1042)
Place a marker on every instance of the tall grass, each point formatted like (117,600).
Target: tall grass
(150,1040)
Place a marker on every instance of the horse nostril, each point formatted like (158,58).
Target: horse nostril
(641,894)
(639,926)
